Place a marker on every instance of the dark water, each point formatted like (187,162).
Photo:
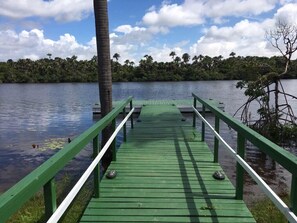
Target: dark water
(48,114)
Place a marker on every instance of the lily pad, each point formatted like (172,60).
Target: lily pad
(53,144)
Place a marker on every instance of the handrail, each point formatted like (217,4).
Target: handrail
(277,153)
(43,176)
(263,185)
(283,157)
(72,194)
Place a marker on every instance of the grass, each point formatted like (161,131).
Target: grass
(264,211)
(33,210)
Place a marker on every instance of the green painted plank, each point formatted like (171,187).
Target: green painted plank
(226,202)
(167,219)
(186,191)
(167,212)
(215,194)
(202,203)
(165,175)
(170,205)
(147,180)
(166,186)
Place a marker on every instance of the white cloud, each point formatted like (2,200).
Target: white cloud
(175,15)
(33,44)
(287,13)
(228,8)
(132,42)
(245,39)
(60,10)
(129,34)
(128,29)
(126,50)
(195,12)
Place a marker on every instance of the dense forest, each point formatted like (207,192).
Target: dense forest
(184,68)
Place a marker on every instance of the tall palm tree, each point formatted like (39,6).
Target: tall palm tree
(232,54)
(200,57)
(116,56)
(172,54)
(186,58)
(177,59)
(104,68)
(195,59)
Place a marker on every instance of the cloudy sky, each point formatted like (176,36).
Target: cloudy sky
(34,28)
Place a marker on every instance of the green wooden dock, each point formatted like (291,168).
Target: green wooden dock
(164,171)
(164,174)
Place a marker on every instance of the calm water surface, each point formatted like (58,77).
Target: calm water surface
(46,115)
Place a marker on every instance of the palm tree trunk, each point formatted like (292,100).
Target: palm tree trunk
(104,69)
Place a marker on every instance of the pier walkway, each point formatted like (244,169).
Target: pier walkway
(164,171)
(164,174)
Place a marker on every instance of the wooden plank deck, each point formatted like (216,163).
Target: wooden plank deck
(165,175)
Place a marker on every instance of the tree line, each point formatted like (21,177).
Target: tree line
(180,68)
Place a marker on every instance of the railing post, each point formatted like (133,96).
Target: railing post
(113,145)
(216,141)
(194,114)
(239,168)
(203,125)
(124,127)
(96,172)
(50,199)
(131,117)
(293,194)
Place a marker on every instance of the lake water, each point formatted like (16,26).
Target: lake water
(44,116)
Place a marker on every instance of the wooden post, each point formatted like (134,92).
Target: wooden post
(293,194)
(124,127)
(203,125)
(113,145)
(96,172)
(194,114)
(131,117)
(216,141)
(239,168)
(50,198)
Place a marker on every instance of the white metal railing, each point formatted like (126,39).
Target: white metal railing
(262,184)
(72,194)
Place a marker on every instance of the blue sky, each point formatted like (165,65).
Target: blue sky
(34,28)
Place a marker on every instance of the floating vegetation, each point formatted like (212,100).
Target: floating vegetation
(52,144)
